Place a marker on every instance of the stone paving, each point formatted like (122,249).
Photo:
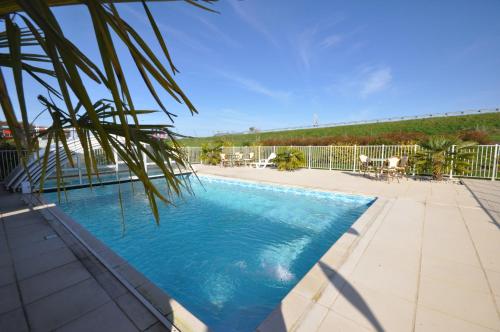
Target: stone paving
(488,195)
(429,260)
(49,282)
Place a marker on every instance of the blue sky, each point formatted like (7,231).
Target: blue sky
(271,64)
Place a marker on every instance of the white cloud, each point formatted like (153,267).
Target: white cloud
(304,43)
(364,82)
(169,31)
(331,41)
(375,81)
(246,14)
(257,87)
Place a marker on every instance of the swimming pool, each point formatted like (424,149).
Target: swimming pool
(231,252)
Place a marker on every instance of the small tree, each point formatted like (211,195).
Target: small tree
(210,154)
(289,159)
(437,156)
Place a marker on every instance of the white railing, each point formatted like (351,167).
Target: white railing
(484,164)
(9,159)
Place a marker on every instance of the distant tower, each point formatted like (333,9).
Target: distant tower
(315,120)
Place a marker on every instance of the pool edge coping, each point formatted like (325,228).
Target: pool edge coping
(155,299)
(310,287)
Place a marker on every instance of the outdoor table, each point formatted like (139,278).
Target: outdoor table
(378,165)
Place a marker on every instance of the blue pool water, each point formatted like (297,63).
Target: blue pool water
(231,252)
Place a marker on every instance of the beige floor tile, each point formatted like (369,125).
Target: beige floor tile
(494,279)
(432,320)
(386,279)
(457,248)
(452,273)
(374,310)
(312,318)
(457,301)
(286,314)
(392,255)
(335,322)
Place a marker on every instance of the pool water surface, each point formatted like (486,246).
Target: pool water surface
(230,252)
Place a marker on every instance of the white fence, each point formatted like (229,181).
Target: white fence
(484,164)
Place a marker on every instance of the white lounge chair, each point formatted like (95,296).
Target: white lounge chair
(264,162)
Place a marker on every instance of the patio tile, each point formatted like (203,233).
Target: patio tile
(37,248)
(26,230)
(134,277)
(9,298)
(30,266)
(5,259)
(494,279)
(386,278)
(136,312)
(49,282)
(110,284)
(452,273)
(432,320)
(373,309)
(30,238)
(157,297)
(62,307)
(105,318)
(312,318)
(335,322)
(457,248)
(472,306)
(6,275)
(159,327)
(286,314)
(13,321)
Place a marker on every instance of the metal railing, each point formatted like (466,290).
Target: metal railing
(484,164)
(352,123)
(9,159)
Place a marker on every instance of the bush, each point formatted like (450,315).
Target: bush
(289,159)
(210,154)
(436,156)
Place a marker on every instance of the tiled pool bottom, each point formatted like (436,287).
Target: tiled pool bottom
(229,253)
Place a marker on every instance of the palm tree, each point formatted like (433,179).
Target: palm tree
(440,154)
(62,70)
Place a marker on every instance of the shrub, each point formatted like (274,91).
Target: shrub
(210,154)
(436,156)
(479,136)
(289,159)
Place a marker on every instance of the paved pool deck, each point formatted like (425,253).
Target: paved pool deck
(50,282)
(425,257)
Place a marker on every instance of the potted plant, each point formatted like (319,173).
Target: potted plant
(210,154)
(289,159)
(440,154)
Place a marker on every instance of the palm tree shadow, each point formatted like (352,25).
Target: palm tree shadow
(276,321)
(351,294)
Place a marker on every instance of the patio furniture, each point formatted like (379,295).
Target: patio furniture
(249,160)
(402,168)
(223,160)
(365,165)
(238,159)
(261,164)
(390,169)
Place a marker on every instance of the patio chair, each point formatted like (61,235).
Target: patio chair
(249,160)
(223,160)
(238,159)
(261,164)
(390,170)
(402,168)
(365,164)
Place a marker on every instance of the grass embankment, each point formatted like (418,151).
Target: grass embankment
(484,128)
